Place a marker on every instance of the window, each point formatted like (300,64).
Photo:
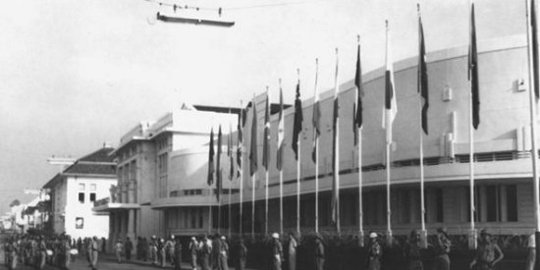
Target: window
(93,197)
(92,187)
(81,197)
(497,203)
(79,223)
(81,186)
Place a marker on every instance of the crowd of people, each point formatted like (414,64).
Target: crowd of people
(214,252)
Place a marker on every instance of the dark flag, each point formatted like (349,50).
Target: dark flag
(534,41)
(422,73)
(298,118)
(390,103)
(281,133)
(335,150)
(473,72)
(253,164)
(211,159)
(218,166)
(358,108)
(266,135)
(230,153)
(239,147)
(316,117)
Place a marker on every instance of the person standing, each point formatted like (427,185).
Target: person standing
(319,253)
(66,249)
(12,252)
(442,249)
(161,252)
(128,247)
(206,250)
(293,244)
(374,252)
(223,256)
(242,255)
(531,255)
(177,254)
(277,252)
(42,247)
(193,250)
(412,252)
(153,250)
(488,253)
(118,249)
(169,249)
(95,252)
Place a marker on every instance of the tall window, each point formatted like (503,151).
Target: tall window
(81,197)
(162,174)
(497,203)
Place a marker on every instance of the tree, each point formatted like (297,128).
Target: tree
(15,202)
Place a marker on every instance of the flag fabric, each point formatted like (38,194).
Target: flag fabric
(316,118)
(357,107)
(298,118)
(335,149)
(281,133)
(253,160)
(266,135)
(390,104)
(230,153)
(535,53)
(422,74)
(473,72)
(218,166)
(239,136)
(211,159)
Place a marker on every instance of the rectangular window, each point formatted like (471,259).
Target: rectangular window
(81,197)
(79,223)
(92,197)
(81,186)
(92,187)
(511,203)
(496,203)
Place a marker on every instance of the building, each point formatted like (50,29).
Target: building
(74,191)
(157,194)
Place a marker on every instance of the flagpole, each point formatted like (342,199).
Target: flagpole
(533,114)
(360,179)
(267,175)
(298,168)
(281,167)
(253,179)
(240,171)
(231,175)
(316,157)
(210,221)
(421,136)
(472,233)
(336,153)
(388,164)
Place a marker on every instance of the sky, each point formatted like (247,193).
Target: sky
(76,74)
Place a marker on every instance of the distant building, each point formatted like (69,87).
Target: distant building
(73,193)
(153,184)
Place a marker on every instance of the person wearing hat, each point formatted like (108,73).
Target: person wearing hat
(153,250)
(293,244)
(128,248)
(319,253)
(374,252)
(193,250)
(118,249)
(531,252)
(223,256)
(442,249)
(488,254)
(277,252)
(206,250)
(177,254)
(412,252)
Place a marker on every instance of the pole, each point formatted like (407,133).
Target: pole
(230,223)
(422,192)
(472,236)
(388,206)
(210,221)
(253,179)
(336,154)
(266,203)
(317,184)
(298,168)
(360,191)
(533,113)
(240,176)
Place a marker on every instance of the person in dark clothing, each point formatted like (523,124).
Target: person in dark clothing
(205,249)
(177,254)
(374,252)
(277,252)
(242,255)
(128,247)
(214,255)
(412,252)
(442,249)
(319,253)
(488,253)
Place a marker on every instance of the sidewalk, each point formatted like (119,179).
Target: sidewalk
(111,258)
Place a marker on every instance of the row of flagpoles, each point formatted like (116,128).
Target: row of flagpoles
(390,111)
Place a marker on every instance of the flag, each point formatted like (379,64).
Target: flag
(253,164)
(358,108)
(473,72)
(316,119)
(230,154)
(281,132)
(422,73)
(211,159)
(218,166)
(239,146)
(390,104)
(354,128)
(266,136)
(335,149)
(298,118)
(535,54)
